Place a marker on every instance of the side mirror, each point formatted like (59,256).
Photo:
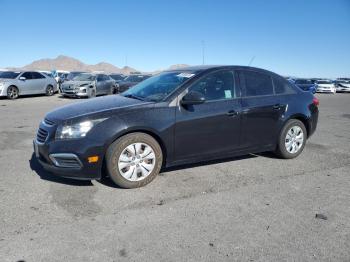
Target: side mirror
(22,78)
(193,98)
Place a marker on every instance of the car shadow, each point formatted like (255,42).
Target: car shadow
(207,163)
(106,181)
(45,175)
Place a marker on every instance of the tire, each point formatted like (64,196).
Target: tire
(92,93)
(12,92)
(285,142)
(49,90)
(135,173)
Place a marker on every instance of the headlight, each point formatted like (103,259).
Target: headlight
(77,130)
(84,84)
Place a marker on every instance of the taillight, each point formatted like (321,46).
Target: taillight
(316,101)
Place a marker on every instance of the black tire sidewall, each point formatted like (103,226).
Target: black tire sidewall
(116,148)
(281,150)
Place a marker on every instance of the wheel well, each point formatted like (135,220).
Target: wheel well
(304,121)
(12,86)
(152,134)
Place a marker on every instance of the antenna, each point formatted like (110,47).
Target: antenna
(251,60)
(203,54)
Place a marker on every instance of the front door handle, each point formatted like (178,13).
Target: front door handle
(232,113)
(277,107)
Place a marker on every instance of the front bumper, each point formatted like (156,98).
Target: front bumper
(325,91)
(74,93)
(3,91)
(45,151)
(343,90)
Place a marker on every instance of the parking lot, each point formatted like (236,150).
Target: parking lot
(252,208)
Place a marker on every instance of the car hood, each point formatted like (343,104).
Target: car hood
(92,107)
(305,85)
(325,85)
(6,80)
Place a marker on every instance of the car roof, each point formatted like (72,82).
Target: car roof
(202,68)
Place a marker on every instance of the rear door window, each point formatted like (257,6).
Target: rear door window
(36,75)
(256,83)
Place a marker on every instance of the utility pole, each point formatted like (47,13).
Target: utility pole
(203,54)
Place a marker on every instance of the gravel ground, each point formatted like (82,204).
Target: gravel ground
(252,208)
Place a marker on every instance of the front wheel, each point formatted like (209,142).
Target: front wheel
(12,92)
(292,139)
(49,91)
(134,160)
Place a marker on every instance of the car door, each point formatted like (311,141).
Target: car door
(213,127)
(261,109)
(26,86)
(39,83)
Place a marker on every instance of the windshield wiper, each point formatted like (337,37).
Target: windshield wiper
(134,97)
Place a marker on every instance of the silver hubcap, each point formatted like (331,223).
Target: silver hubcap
(136,161)
(13,92)
(294,139)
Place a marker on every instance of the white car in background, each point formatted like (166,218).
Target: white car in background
(342,85)
(325,86)
(13,84)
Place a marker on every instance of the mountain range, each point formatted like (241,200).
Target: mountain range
(67,63)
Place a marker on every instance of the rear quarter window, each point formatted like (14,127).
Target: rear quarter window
(283,87)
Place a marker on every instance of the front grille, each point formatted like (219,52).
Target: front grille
(48,122)
(41,136)
(66,160)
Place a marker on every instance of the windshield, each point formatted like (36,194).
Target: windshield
(70,76)
(303,82)
(84,77)
(9,74)
(156,88)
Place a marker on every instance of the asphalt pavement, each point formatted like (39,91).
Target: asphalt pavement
(251,208)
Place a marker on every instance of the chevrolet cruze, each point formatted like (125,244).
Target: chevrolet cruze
(177,117)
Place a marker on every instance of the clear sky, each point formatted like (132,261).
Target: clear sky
(299,37)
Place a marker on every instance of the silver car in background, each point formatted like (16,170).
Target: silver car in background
(88,85)
(14,84)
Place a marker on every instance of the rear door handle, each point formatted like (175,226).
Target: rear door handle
(232,113)
(277,107)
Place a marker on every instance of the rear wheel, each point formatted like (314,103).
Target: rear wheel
(49,90)
(134,160)
(292,139)
(12,92)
